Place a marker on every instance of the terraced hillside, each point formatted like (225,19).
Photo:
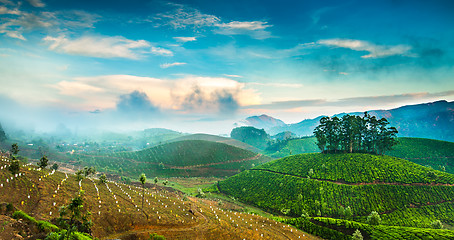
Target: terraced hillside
(117,212)
(404,193)
(177,159)
(427,152)
(289,147)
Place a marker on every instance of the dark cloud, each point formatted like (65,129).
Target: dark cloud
(224,102)
(136,105)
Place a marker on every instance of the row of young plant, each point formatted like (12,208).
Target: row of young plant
(277,192)
(357,168)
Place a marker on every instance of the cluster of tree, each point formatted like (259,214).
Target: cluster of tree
(87,171)
(251,135)
(355,134)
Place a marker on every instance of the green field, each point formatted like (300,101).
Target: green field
(427,152)
(176,159)
(324,185)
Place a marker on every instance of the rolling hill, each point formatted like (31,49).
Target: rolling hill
(405,194)
(187,158)
(116,211)
(427,152)
(219,139)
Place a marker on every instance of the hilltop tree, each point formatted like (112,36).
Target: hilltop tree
(142,180)
(355,134)
(357,235)
(43,162)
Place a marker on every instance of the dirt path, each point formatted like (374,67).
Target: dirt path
(357,184)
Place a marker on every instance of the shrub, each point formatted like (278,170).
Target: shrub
(437,224)
(21,215)
(14,167)
(44,226)
(357,235)
(9,207)
(374,218)
(155,236)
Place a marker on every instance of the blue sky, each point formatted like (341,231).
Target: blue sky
(199,66)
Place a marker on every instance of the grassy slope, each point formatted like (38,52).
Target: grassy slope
(294,146)
(116,211)
(219,139)
(183,158)
(407,187)
(427,152)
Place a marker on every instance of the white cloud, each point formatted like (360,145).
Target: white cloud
(161,51)
(234,76)
(167,65)
(283,85)
(254,25)
(185,39)
(375,51)
(183,16)
(97,46)
(36,3)
(101,92)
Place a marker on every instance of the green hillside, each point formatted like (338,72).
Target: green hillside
(214,138)
(183,158)
(283,148)
(402,192)
(428,152)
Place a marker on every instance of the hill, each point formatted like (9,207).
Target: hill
(263,122)
(117,212)
(402,192)
(219,139)
(427,152)
(287,147)
(428,120)
(187,158)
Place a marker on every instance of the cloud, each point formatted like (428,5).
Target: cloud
(188,94)
(234,76)
(135,104)
(182,17)
(283,85)
(161,51)
(185,39)
(367,101)
(17,22)
(36,3)
(167,65)
(375,51)
(100,46)
(255,29)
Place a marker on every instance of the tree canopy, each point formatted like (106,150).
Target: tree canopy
(251,135)
(355,134)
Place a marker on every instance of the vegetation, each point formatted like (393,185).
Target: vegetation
(156,236)
(291,146)
(78,217)
(2,134)
(184,158)
(14,167)
(251,135)
(43,162)
(355,134)
(54,167)
(437,154)
(142,180)
(348,186)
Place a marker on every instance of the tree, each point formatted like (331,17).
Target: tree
(2,134)
(251,135)
(142,180)
(14,167)
(357,235)
(89,171)
(15,149)
(103,178)
(43,162)
(436,224)
(155,180)
(54,167)
(374,218)
(78,217)
(79,175)
(156,236)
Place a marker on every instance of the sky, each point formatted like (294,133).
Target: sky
(201,66)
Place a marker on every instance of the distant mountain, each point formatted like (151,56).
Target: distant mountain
(428,120)
(264,122)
